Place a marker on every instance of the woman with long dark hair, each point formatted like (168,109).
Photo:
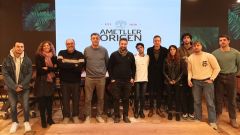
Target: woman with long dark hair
(46,65)
(172,71)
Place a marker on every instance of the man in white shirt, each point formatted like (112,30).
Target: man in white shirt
(203,68)
(141,79)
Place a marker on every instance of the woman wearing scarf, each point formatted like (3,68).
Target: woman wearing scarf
(46,64)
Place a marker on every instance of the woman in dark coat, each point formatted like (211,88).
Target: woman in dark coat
(46,65)
(172,71)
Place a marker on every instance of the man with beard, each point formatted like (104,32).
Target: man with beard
(121,70)
(229,61)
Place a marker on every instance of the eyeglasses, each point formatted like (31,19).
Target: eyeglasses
(70,43)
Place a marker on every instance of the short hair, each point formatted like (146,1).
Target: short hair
(70,39)
(157,36)
(139,44)
(197,42)
(17,42)
(224,36)
(184,35)
(123,39)
(95,34)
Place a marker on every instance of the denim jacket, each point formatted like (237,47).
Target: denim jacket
(8,71)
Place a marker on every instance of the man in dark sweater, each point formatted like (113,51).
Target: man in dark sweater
(121,70)
(70,63)
(157,55)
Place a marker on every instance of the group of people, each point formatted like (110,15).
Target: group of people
(175,77)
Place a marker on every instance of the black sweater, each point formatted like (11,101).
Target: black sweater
(70,72)
(120,67)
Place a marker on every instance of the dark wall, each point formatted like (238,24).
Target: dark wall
(11,29)
(202,13)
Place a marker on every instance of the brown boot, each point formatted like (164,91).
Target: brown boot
(233,123)
(150,114)
(160,113)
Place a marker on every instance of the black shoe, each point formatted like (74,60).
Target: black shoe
(109,114)
(50,121)
(169,116)
(116,120)
(126,119)
(136,115)
(177,117)
(141,114)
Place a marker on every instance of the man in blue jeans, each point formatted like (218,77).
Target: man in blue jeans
(17,72)
(203,68)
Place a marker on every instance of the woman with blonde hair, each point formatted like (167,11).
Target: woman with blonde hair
(46,65)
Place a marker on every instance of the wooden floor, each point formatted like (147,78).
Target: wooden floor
(154,125)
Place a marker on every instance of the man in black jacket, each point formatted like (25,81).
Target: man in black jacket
(121,70)
(157,54)
(70,63)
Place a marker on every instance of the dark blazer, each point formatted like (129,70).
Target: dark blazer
(155,68)
(42,87)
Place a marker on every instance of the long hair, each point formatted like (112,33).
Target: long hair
(175,58)
(40,48)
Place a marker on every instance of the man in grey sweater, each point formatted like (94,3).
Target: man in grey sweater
(96,68)
(229,61)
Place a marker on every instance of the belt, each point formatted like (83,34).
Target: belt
(202,79)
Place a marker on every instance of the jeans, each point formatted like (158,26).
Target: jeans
(199,88)
(226,84)
(140,89)
(13,98)
(70,90)
(90,85)
(121,90)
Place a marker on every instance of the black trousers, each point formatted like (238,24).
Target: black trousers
(45,105)
(174,97)
(187,98)
(121,90)
(225,84)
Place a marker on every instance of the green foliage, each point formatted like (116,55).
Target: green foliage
(206,35)
(234,21)
(40,18)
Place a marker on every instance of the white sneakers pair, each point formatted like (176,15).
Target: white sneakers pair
(14,127)
(98,118)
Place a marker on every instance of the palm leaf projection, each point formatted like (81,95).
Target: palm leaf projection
(206,35)
(40,18)
(234,21)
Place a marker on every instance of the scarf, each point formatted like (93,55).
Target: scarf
(123,52)
(49,63)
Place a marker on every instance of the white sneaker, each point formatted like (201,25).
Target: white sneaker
(13,128)
(185,116)
(100,119)
(76,120)
(214,126)
(27,126)
(191,116)
(65,120)
(87,120)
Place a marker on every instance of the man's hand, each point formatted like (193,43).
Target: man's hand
(19,88)
(45,68)
(209,81)
(190,83)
